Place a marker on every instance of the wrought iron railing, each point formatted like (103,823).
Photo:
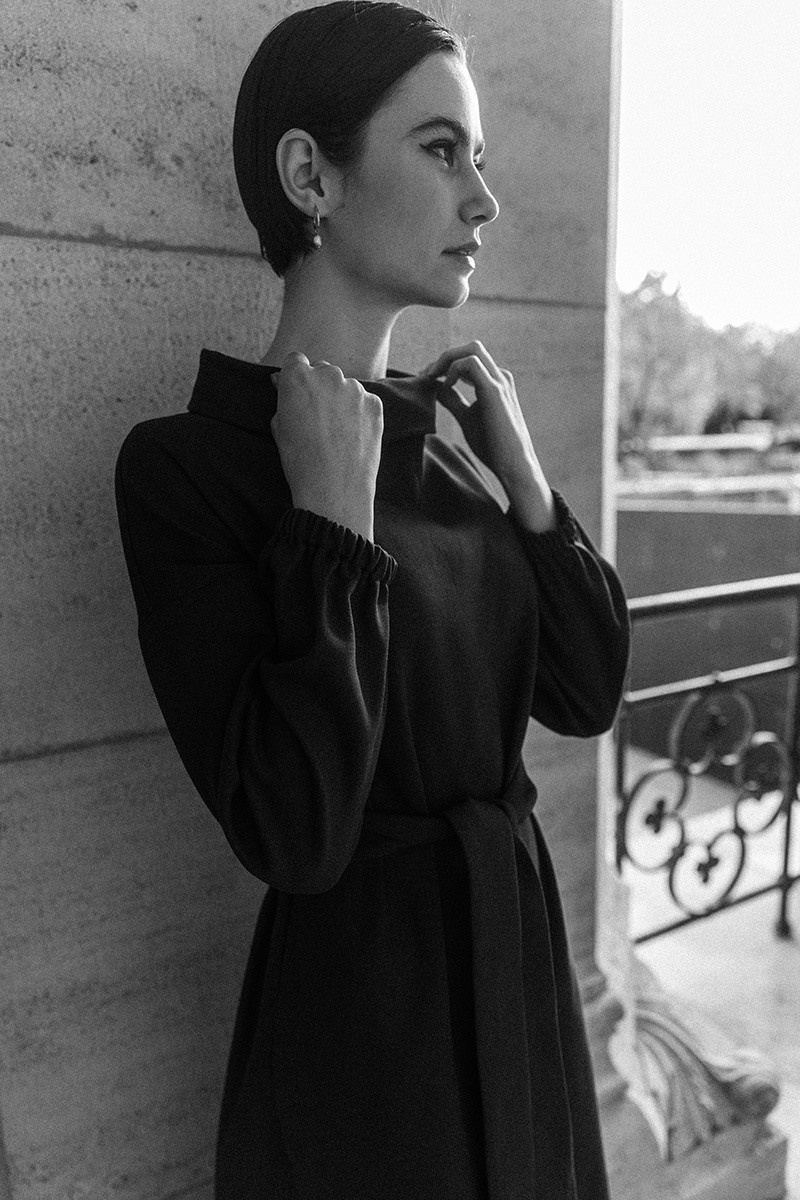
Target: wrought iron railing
(714,730)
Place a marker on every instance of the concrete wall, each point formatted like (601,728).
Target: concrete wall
(123,250)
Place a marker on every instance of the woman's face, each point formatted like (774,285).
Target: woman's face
(416,196)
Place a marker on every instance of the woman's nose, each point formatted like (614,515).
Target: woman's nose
(481,207)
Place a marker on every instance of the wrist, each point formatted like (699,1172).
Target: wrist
(357,516)
(531,500)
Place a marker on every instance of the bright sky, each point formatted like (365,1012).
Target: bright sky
(709,186)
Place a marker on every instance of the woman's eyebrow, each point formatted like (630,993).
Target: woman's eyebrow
(456,128)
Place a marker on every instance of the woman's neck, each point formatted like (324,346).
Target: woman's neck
(328,320)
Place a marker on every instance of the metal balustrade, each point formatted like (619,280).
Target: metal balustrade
(715,728)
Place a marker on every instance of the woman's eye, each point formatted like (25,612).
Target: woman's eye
(445,151)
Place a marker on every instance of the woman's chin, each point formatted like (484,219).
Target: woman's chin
(449,291)
(463,298)
(451,296)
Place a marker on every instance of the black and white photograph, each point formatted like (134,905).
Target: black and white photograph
(400,600)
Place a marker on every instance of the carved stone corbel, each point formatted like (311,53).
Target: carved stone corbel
(701,1083)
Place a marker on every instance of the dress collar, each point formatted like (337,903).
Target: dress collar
(243,393)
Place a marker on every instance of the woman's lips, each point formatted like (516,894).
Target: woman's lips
(463,256)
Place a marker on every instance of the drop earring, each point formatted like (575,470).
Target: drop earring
(316,240)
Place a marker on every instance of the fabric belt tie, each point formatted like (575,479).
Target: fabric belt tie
(526,1115)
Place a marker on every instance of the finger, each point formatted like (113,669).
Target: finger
(440,364)
(454,402)
(470,349)
(295,358)
(469,370)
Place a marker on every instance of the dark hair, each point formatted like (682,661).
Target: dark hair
(325,70)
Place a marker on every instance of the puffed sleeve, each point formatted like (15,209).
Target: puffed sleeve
(270,674)
(584,629)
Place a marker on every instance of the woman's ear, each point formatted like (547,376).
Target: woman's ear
(308,180)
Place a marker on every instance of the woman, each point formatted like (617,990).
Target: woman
(347,635)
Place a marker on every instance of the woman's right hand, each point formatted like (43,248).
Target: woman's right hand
(328,431)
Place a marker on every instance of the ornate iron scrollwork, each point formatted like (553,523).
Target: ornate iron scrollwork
(716,726)
(712,726)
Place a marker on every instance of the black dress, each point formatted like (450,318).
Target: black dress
(353,714)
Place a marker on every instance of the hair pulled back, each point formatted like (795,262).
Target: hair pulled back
(325,70)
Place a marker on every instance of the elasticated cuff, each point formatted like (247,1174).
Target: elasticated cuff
(341,542)
(565,534)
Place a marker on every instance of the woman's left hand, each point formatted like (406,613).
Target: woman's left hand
(495,429)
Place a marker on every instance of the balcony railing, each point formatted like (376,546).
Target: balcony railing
(715,730)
